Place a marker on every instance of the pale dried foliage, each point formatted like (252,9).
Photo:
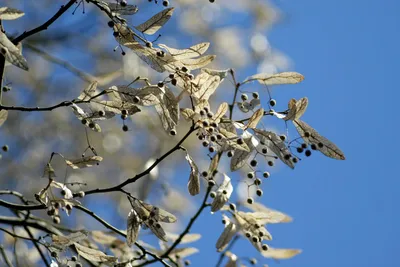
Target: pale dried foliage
(71,95)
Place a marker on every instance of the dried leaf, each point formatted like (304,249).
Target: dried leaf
(270,215)
(94,254)
(123,10)
(240,157)
(188,114)
(223,194)
(102,238)
(133,228)
(152,25)
(3,116)
(276,145)
(197,63)
(88,92)
(194,179)
(181,253)
(8,13)
(221,111)
(116,107)
(63,242)
(203,86)
(168,110)
(226,236)
(325,146)
(214,164)
(296,108)
(11,53)
(188,238)
(191,52)
(255,118)
(83,162)
(278,78)
(280,253)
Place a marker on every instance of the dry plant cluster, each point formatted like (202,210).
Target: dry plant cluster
(231,128)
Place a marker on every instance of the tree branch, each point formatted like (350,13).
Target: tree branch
(186,231)
(237,85)
(45,25)
(109,226)
(5,257)
(145,172)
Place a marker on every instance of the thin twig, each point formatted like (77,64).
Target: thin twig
(145,172)
(5,257)
(45,25)
(237,86)
(109,226)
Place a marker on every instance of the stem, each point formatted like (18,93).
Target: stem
(5,257)
(237,86)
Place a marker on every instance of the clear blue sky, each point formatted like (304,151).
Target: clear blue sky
(345,213)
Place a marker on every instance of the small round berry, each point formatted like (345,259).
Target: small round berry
(84,121)
(282,137)
(206,109)
(187,262)
(124,112)
(91,125)
(136,99)
(253,261)
(111,24)
(300,150)
(68,206)
(213,138)
(259,192)
(160,84)
(171,75)
(244,97)
(5,148)
(210,114)
(211,182)
(63,192)
(270,163)
(56,220)
(224,221)
(248,234)
(74,258)
(307,134)
(320,145)
(266,174)
(78,264)
(212,194)
(250,175)
(200,137)
(255,239)
(125,128)
(224,192)
(257,181)
(240,141)
(295,160)
(229,154)
(250,200)
(304,145)
(102,113)
(124,117)
(211,1)
(81,194)
(253,163)
(204,174)
(205,143)
(287,156)
(123,53)
(272,102)
(123,3)
(205,124)
(202,113)
(264,150)
(184,69)
(51,212)
(313,146)
(172,132)
(211,149)
(115,34)
(174,82)
(54,254)
(307,153)
(264,247)
(149,44)
(232,206)
(165,3)
(210,129)
(255,95)
(57,205)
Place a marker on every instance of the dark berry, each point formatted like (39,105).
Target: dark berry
(270,163)
(307,134)
(259,192)
(229,154)
(250,200)
(115,34)
(266,174)
(257,181)
(54,254)
(5,148)
(184,69)
(264,150)
(165,3)
(125,128)
(282,137)
(244,97)
(111,24)
(313,146)
(174,82)
(320,145)
(250,175)
(74,258)
(172,132)
(300,150)
(232,206)
(253,163)
(308,153)
(255,95)
(204,174)
(272,102)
